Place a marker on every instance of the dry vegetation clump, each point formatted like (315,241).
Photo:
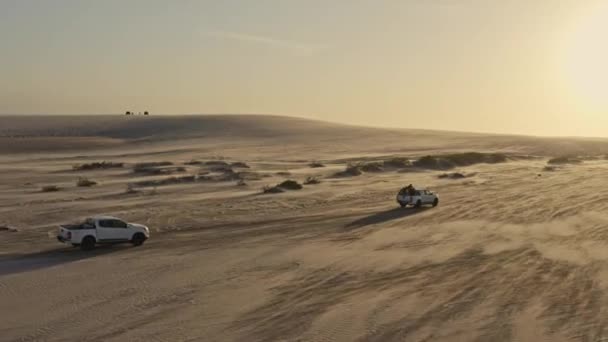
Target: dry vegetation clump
(272,189)
(221,168)
(564,160)
(371,167)
(453,175)
(229,175)
(240,165)
(281,187)
(283,173)
(397,163)
(146,165)
(290,185)
(312,180)
(549,168)
(241,182)
(166,181)
(216,163)
(156,169)
(351,170)
(226,174)
(97,166)
(193,162)
(315,164)
(83,181)
(49,188)
(449,161)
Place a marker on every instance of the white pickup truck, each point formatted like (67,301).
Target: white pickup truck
(418,198)
(102,229)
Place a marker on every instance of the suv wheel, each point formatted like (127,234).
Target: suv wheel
(138,239)
(435,202)
(418,204)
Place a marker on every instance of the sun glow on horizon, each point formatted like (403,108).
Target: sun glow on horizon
(586,58)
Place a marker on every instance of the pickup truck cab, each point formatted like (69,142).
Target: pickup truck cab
(102,229)
(419,197)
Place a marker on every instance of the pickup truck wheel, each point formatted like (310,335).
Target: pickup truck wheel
(88,243)
(418,204)
(138,239)
(403,205)
(435,202)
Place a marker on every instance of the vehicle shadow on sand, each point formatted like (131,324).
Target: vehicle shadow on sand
(18,263)
(384,216)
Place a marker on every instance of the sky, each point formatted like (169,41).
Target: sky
(511,66)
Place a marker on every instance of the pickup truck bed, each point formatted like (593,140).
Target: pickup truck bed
(76,226)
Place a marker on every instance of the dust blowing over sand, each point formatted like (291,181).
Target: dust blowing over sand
(515,250)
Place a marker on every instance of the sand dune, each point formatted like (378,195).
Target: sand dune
(512,253)
(32,134)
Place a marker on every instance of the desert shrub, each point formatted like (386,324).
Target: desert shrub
(272,189)
(241,182)
(397,163)
(372,167)
(471,158)
(430,162)
(284,173)
(193,162)
(217,163)
(83,181)
(453,175)
(448,161)
(290,185)
(350,171)
(549,168)
(564,160)
(229,175)
(315,164)
(147,166)
(157,168)
(311,180)
(162,171)
(97,166)
(221,168)
(49,188)
(240,165)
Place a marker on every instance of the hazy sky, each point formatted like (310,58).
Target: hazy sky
(519,66)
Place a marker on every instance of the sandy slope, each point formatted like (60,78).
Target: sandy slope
(508,255)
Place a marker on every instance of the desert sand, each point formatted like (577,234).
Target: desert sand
(513,252)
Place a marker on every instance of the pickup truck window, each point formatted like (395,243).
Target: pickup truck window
(106,223)
(119,224)
(112,224)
